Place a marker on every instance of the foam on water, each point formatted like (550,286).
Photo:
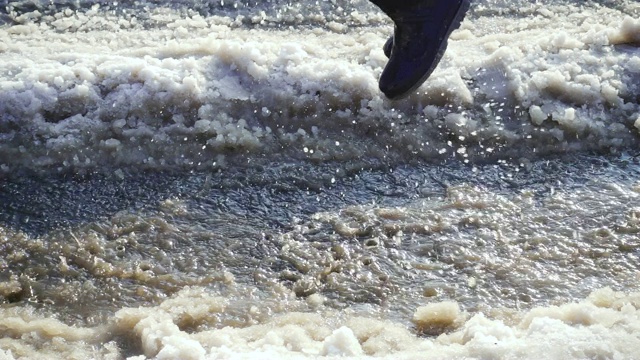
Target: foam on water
(93,89)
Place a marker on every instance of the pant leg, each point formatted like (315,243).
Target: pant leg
(392,6)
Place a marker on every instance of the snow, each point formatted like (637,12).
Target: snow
(88,90)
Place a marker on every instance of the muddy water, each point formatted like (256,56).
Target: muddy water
(494,239)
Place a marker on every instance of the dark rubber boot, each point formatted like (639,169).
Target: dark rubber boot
(388,47)
(419,42)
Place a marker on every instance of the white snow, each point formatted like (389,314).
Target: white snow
(190,89)
(603,326)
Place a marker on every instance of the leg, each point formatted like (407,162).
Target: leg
(389,7)
(422,28)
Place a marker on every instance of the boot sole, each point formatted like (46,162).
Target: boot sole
(455,24)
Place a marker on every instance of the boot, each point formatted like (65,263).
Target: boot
(388,47)
(420,38)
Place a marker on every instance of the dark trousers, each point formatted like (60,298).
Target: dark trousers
(391,6)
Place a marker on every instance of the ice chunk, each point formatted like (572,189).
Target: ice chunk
(342,342)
